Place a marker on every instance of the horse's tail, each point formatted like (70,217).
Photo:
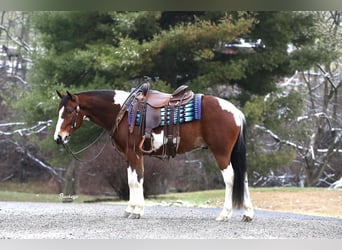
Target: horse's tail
(238,160)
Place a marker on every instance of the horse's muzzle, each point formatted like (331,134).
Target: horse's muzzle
(60,140)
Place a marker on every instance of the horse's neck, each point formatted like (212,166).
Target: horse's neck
(100,111)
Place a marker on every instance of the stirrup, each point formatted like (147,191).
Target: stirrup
(141,145)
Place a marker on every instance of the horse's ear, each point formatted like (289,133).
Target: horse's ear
(59,94)
(71,96)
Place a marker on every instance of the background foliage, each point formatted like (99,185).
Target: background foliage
(239,55)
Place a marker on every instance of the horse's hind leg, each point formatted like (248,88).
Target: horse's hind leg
(222,154)
(247,204)
(227,211)
(135,208)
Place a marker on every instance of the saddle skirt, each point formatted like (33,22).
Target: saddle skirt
(188,112)
(151,109)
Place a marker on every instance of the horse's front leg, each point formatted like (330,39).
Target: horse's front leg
(135,208)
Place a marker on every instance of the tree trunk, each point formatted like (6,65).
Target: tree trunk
(69,186)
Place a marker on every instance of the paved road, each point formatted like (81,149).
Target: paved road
(104,221)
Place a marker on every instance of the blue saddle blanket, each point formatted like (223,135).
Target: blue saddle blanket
(187,113)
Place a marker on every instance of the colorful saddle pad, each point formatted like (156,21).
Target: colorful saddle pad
(187,113)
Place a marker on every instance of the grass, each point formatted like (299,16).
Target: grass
(313,201)
(33,192)
(36,197)
(208,198)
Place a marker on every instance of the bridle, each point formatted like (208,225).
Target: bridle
(118,119)
(73,126)
(78,109)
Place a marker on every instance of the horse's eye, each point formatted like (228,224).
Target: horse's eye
(69,111)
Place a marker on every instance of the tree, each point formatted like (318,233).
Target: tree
(14,29)
(127,45)
(19,158)
(316,133)
(84,50)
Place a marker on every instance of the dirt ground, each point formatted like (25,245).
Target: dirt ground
(314,202)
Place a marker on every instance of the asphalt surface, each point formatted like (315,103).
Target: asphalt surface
(24,220)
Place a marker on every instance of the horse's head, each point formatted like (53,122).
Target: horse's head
(70,117)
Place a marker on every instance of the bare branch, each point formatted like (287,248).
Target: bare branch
(327,76)
(310,150)
(276,137)
(16,77)
(36,129)
(12,124)
(16,41)
(40,163)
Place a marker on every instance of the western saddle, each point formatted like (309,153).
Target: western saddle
(148,103)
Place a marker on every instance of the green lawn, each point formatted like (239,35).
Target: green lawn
(212,198)
(316,201)
(199,198)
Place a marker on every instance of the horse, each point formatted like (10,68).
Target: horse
(221,129)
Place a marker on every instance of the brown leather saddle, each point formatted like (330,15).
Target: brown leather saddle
(149,104)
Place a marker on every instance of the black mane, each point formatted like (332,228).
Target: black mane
(103,93)
(97,92)
(64,100)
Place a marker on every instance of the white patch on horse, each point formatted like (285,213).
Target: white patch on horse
(228,177)
(59,123)
(225,105)
(247,203)
(136,193)
(120,97)
(158,140)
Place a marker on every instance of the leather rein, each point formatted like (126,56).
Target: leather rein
(118,119)
(74,154)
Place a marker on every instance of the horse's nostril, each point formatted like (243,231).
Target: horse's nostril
(59,140)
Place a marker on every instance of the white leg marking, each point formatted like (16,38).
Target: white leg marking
(59,123)
(136,194)
(228,177)
(228,106)
(247,204)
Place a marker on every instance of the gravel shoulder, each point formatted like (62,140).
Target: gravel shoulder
(25,220)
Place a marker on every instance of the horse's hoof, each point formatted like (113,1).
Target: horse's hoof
(126,214)
(134,216)
(246,218)
(222,218)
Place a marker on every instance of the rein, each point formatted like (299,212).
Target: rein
(74,154)
(118,119)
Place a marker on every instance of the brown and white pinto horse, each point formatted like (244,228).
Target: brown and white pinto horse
(221,128)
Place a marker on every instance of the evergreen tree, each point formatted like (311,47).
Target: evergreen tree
(87,50)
